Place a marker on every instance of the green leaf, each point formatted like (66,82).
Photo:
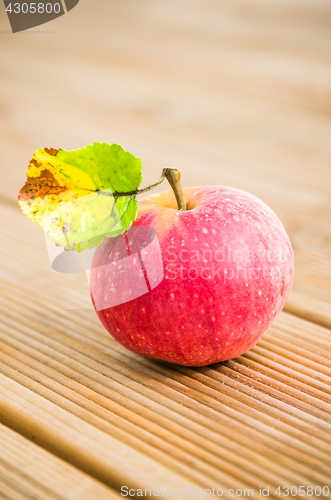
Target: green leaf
(79,197)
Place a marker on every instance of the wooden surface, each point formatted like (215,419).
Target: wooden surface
(233,93)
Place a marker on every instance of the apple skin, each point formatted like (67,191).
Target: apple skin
(228,270)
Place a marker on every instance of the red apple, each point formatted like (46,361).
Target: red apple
(228,269)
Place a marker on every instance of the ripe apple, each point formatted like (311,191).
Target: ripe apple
(228,268)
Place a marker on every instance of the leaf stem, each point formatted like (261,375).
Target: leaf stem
(172,175)
(137,191)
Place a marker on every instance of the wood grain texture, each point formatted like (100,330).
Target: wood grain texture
(28,471)
(264,417)
(232,93)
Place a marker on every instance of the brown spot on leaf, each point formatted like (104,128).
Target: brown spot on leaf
(39,187)
(35,163)
(51,151)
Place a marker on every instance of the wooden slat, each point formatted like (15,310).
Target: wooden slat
(80,443)
(232,93)
(307,306)
(28,471)
(268,411)
(181,398)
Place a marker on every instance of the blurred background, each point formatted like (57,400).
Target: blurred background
(235,93)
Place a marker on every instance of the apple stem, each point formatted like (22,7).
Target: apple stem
(173,176)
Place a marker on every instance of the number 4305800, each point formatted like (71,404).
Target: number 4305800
(303,490)
(33,8)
